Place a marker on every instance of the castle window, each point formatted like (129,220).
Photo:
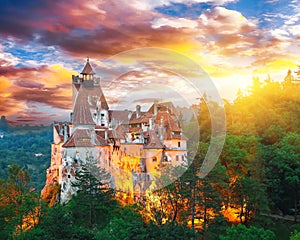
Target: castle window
(182,158)
(154,159)
(177,158)
(69,176)
(178,144)
(102,114)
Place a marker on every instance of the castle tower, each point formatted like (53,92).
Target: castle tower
(87,72)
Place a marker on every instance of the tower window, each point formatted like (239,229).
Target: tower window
(178,144)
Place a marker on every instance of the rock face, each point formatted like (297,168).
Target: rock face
(130,145)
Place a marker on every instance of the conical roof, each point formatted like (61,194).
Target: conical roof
(87,70)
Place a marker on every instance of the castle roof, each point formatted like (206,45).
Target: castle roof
(89,97)
(87,70)
(165,106)
(119,115)
(153,141)
(85,138)
(81,112)
(143,118)
(168,121)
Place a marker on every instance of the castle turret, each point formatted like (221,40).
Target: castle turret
(87,72)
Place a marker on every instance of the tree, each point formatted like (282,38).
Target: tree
(19,206)
(295,235)
(93,204)
(242,232)
(283,172)
(128,224)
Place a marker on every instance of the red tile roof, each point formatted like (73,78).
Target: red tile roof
(87,70)
(117,133)
(56,127)
(81,112)
(119,115)
(144,118)
(86,100)
(165,106)
(84,138)
(153,141)
(168,121)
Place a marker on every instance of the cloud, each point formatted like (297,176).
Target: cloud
(22,88)
(43,41)
(220,20)
(149,5)
(174,23)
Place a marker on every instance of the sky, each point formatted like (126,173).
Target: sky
(43,43)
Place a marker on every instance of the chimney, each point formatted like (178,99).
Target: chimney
(105,135)
(60,129)
(65,132)
(93,137)
(138,111)
(151,123)
(161,130)
(155,107)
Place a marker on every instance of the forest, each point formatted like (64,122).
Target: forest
(253,192)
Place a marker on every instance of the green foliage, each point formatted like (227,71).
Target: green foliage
(93,204)
(259,168)
(18,206)
(128,224)
(283,172)
(19,145)
(295,236)
(242,232)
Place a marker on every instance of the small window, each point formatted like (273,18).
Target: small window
(154,159)
(182,158)
(57,172)
(102,114)
(69,176)
(178,144)
(177,158)
(102,124)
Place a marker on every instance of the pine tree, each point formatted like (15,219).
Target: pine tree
(94,200)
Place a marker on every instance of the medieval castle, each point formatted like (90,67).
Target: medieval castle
(131,145)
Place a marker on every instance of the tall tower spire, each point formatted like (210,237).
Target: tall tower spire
(87,72)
